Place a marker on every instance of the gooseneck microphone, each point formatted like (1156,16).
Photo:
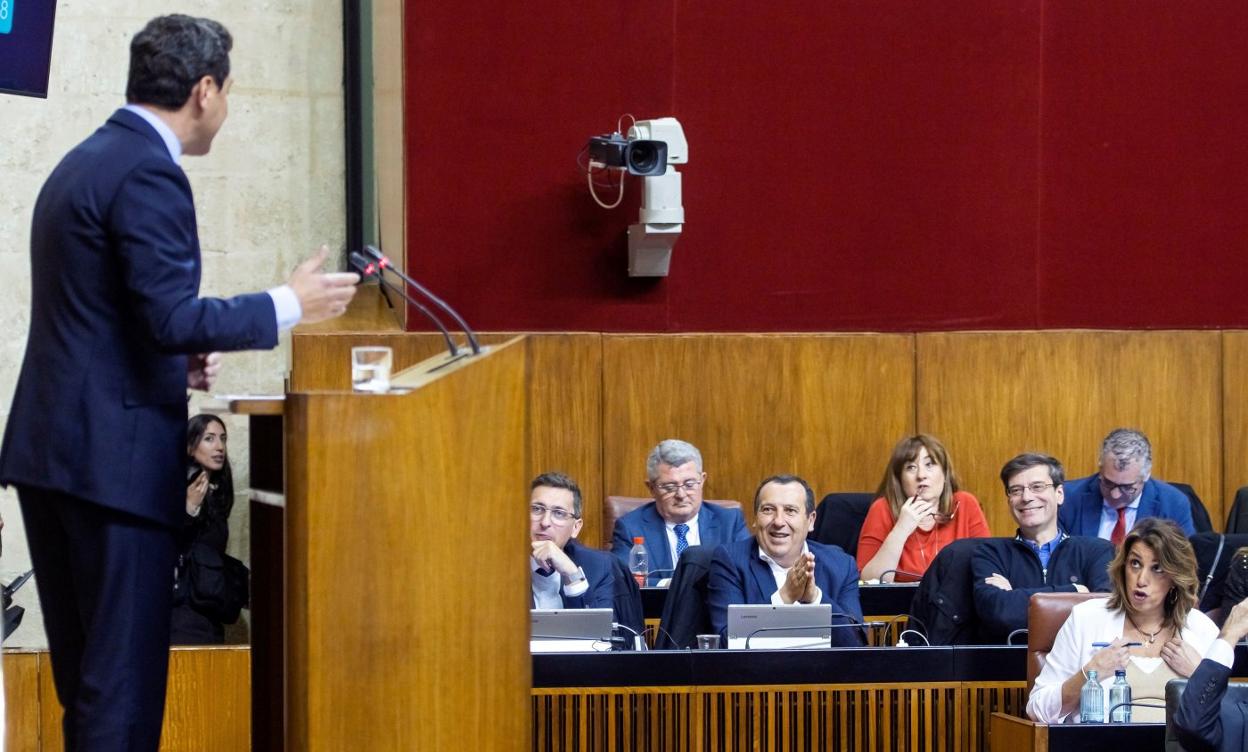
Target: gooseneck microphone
(370,270)
(383,263)
(862,625)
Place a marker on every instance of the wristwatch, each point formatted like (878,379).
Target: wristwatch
(576,577)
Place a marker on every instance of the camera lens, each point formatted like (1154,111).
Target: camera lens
(647,157)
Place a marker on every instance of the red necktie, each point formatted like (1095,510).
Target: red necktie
(1120,528)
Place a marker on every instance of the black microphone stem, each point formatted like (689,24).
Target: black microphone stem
(384,263)
(362,265)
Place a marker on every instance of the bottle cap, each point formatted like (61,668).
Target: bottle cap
(639,539)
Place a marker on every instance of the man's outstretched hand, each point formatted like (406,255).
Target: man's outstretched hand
(322,295)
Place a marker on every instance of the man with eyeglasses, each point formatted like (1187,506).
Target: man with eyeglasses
(566,574)
(677,518)
(1040,558)
(1107,505)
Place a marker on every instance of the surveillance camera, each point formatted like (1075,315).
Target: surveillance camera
(641,157)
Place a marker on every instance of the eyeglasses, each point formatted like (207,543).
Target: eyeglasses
(942,518)
(1016,492)
(1123,489)
(557,516)
(689,486)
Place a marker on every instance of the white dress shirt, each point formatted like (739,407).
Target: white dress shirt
(546,587)
(1109,517)
(692,537)
(781,574)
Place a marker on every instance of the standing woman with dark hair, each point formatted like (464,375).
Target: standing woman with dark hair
(209,499)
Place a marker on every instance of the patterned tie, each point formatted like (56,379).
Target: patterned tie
(1120,528)
(681,541)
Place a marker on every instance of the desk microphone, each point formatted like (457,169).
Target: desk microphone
(1110,712)
(370,270)
(896,572)
(863,625)
(383,263)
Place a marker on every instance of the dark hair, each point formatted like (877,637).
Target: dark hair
(906,451)
(559,480)
(220,500)
(1177,559)
(1029,460)
(171,54)
(785,480)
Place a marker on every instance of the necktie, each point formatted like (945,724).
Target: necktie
(1120,528)
(681,541)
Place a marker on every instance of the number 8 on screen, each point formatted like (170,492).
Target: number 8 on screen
(6,16)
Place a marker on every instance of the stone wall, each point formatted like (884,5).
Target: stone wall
(267,195)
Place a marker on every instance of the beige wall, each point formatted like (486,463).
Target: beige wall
(270,192)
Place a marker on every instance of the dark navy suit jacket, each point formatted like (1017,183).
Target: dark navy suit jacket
(599,572)
(739,576)
(1207,716)
(100,407)
(716,525)
(1080,513)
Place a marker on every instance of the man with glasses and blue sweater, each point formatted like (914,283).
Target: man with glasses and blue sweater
(566,574)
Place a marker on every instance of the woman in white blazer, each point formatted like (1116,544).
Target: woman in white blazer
(1147,626)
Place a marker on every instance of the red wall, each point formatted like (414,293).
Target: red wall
(866,165)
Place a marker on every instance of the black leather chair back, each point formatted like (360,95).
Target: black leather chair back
(1200,515)
(838,519)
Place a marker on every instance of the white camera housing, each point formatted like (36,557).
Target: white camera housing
(660,220)
(663,129)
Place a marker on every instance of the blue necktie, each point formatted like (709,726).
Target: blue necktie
(681,541)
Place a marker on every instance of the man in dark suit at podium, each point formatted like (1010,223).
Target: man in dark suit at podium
(565,573)
(677,518)
(780,566)
(96,437)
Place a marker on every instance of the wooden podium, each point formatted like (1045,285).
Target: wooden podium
(406,593)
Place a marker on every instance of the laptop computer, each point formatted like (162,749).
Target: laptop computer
(769,626)
(572,630)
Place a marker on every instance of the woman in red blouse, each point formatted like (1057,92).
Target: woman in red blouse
(920,510)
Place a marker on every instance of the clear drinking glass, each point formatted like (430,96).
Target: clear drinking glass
(370,369)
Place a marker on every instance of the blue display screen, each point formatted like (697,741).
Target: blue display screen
(26,46)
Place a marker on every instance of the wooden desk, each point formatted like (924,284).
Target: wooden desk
(1009,733)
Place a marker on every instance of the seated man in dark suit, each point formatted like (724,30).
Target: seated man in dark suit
(1040,558)
(1107,505)
(565,573)
(780,566)
(677,518)
(1206,718)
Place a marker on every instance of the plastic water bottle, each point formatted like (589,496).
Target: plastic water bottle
(1119,692)
(1092,701)
(639,561)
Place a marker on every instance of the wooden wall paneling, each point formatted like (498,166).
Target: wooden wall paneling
(207,708)
(565,417)
(1234,422)
(22,701)
(374,562)
(991,395)
(209,701)
(827,407)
